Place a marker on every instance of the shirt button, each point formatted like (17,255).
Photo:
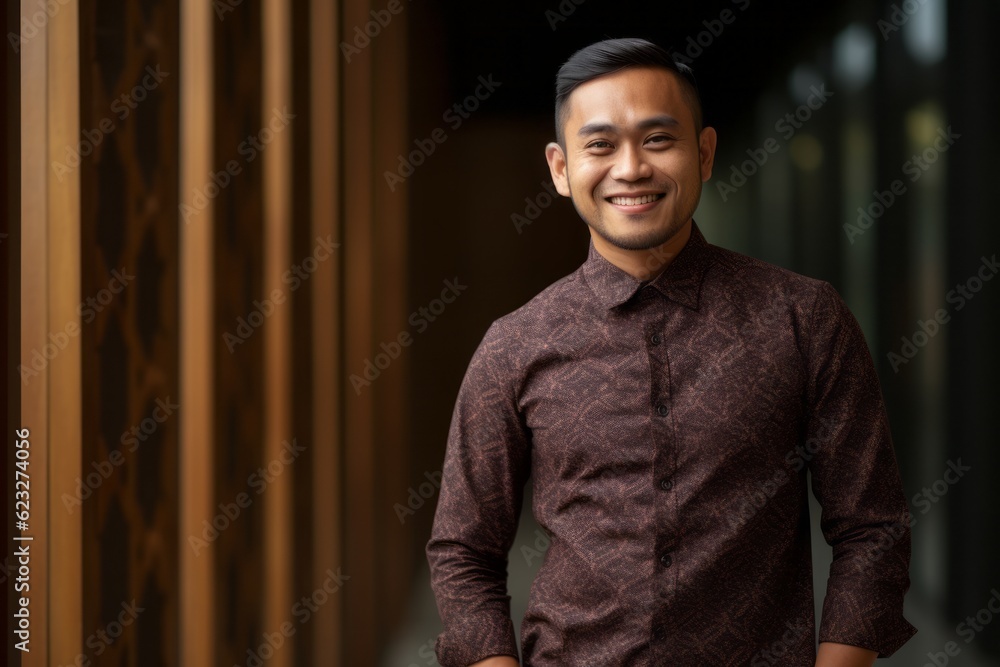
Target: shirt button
(662,410)
(666,560)
(666,484)
(655,339)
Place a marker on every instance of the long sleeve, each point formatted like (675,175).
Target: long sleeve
(487,462)
(856,480)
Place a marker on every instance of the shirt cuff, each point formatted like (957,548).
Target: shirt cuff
(470,639)
(861,622)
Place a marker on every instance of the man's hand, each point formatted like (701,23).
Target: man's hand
(844,655)
(497,661)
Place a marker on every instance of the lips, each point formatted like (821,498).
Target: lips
(637,200)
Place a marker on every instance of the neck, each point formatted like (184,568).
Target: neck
(643,264)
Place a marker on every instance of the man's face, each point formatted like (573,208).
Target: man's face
(633,163)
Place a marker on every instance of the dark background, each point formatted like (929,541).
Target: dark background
(890,93)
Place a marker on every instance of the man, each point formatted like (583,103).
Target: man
(667,399)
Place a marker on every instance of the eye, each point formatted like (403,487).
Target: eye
(660,139)
(600,145)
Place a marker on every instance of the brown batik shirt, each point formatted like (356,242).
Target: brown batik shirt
(667,427)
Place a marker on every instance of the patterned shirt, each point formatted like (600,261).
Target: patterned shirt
(668,426)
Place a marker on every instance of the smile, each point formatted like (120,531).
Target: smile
(636,201)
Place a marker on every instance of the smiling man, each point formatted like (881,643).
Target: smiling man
(667,400)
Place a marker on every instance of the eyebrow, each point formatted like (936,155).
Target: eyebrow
(645,124)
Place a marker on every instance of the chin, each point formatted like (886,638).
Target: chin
(638,241)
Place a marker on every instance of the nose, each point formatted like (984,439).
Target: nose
(630,164)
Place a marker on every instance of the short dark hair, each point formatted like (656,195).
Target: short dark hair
(612,55)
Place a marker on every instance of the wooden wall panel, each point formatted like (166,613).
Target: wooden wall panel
(389,221)
(302,364)
(327,319)
(359,297)
(128,168)
(374,293)
(182,325)
(238,261)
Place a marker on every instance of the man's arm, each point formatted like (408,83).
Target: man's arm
(497,661)
(855,478)
(487,462)
(842,655)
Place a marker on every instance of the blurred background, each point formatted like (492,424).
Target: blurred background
(251,245)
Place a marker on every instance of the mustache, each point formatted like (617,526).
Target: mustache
(645,188)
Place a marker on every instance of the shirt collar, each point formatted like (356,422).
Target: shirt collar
(680,282)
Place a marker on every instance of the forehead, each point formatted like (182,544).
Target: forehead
(627,97)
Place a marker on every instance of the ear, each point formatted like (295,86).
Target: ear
(556,158)
(706,151)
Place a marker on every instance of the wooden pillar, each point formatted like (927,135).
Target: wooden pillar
(196,460)
(51,395)
(276,98)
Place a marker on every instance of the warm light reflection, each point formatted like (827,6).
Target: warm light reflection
(807,152)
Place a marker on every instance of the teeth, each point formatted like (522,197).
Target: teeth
(634,201)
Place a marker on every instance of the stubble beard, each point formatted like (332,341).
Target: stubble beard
(644,239)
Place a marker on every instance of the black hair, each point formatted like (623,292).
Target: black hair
(612,55)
